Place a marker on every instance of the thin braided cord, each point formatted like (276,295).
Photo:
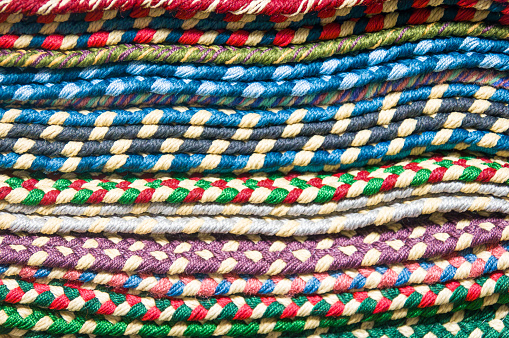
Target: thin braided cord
(466,82)
(72,252)
(240,38)
(429,271)
(389,301)
(261,55)
(28,318)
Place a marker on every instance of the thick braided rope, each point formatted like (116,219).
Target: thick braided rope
(276,226)
(235,55)
(223,6)
(134,123)
(301,161)
(436,49)
(129,307)
(240,38)
(429,271)
(149,256)
(402,69)
(209,30)
(456,195)
(417,117)
(41,189)
(142,18)
(292,7)
(35,319)
(488,322)
(460,82)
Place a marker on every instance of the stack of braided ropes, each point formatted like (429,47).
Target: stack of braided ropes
(254,168)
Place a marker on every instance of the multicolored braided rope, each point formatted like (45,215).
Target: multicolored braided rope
(436,50)
(260,55)
(301,87)
(34,319)
(291,7)
(429,271)
(67,39)
(43,189)
(365,303)
(114,253)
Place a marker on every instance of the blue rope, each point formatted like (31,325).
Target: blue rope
(331,66)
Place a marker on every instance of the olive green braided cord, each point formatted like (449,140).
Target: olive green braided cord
(231,55)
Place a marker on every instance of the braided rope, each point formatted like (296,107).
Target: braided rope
(406,68)
(429,271)
(130,307)
(460,82)
(34,319)
(261,55)
(40,189)
(53,125)
(436,49)
(142,18)
(174,257)
(85,39)
(224,6)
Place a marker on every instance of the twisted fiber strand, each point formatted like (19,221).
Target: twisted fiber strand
(240,38)
(419,116)
(232,30)
(130,307)
(235,55)
(463,82)
(117,86)
(429,271)
(58,126)
(100,254)
(438,48)
(35,319)
(42,189)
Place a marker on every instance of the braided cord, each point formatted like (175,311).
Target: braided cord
(429,271)
(158,18)
(435,50)
(75,253)
(234,55)
(32,318)
(53,125)
(130,307)
(405,68)
(40,189)
(460,82)
(239,38)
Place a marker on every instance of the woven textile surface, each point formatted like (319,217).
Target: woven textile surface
(254,168)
